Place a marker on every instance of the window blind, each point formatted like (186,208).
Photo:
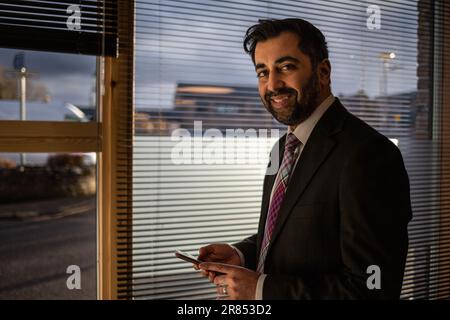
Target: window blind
(70,26)
(192,76)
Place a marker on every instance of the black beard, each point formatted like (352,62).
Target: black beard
(302,109)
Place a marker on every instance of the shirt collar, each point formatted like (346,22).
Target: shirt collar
(304,129)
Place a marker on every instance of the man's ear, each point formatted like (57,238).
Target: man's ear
(324,72)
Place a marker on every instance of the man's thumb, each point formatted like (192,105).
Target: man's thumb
(205,251)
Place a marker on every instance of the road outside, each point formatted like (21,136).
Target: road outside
(37,246)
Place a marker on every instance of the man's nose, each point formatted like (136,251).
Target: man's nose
(274,82)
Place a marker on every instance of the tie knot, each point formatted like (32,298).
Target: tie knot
(291,142)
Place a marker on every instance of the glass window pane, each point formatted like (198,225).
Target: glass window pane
(191,69)
(48,226)
(47,86)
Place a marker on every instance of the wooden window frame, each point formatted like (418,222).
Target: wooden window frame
(115,114)
(115,162)
(49,136)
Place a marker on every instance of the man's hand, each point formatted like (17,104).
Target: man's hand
(240,282)
(218,252)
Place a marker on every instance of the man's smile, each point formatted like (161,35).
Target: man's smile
(280,101)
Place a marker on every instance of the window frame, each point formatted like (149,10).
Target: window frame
(115,95)
(114,191)
(114,113)
(49,136)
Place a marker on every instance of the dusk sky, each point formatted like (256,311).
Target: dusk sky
(202,43)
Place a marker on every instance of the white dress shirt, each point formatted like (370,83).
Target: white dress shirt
(302,132)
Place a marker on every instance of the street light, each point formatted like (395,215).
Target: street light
(20,71)
(19,66)
(385,57)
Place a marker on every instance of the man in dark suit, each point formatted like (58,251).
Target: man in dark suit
(334,217)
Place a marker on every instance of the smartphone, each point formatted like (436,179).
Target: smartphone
(187,257)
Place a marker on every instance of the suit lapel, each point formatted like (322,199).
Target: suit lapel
(314,153)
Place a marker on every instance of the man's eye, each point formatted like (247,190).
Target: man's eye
(287,67)
(261,74)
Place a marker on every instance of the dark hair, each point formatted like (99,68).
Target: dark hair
(312,40)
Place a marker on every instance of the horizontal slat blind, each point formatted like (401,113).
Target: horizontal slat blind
(192,74)
(184,206)
(71,26)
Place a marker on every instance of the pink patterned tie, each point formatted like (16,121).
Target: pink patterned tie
(281,183)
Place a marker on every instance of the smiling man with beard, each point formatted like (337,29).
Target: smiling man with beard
(339,205)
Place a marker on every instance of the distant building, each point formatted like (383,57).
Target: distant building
(232,107)
(392,115)
(221,107)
